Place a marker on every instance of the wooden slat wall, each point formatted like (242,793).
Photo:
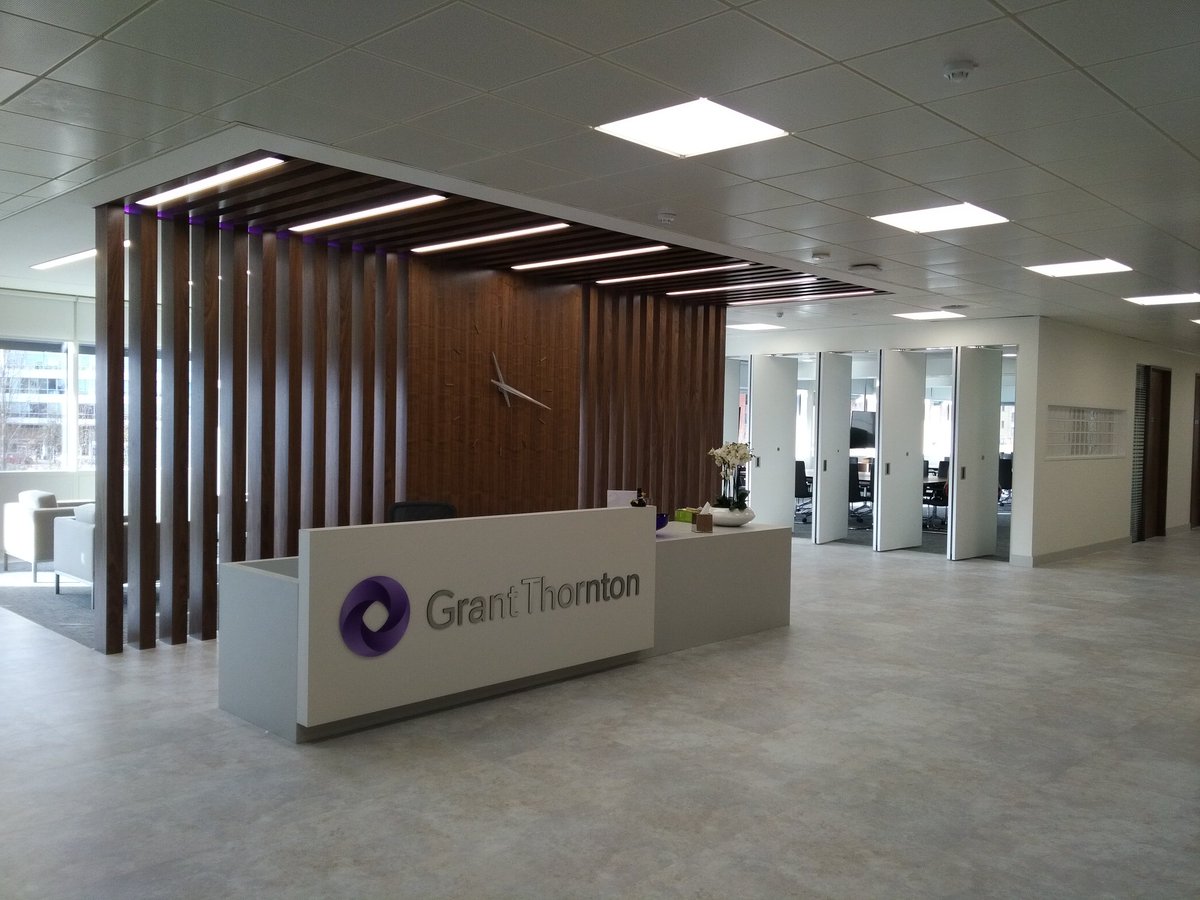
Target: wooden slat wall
(266,313)
(464,444)
(652,395)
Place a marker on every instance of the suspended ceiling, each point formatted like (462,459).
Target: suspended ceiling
(1080,123)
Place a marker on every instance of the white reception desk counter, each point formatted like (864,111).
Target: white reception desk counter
(374,623)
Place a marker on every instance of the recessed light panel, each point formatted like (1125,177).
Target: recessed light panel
(930,315)
(65,260)
(490,238)
(690,129)
(635,251)
(204,184)
(741,265)
(744,286)
(1164,299)
(754,326)
(941,218)
(1086,267)
(811,299)
(369,213)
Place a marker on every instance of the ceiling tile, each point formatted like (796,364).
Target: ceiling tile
(365,19)
(1116,166)
(694,221)
(1040,101)
(1124,131)
(33,47)
(779,242)
(710,57)
(1092,31)
(1154,77)
(858,229)
(130,72)
(189,130)
(11,82)
(770,159)
(413,147)
(593,153)
(137,152)
(752,196)
(1181,120)
(1153,185)
(603,195)
(879,203)
(802,216)
(948,161)
(886,134)
(288,114)
(621,22)
(1003,51)
(843,30)
(395,92)
(41,163)
(472,46)
(896,245)
(94,17)
(16,204)
(987,187)
(838,181)
(53,188)
(101,111)
(59,137)
(17,182)
(1039,205)
(673,180)
(216,37)
(511,173)
(593,93)
(985,236)
(811,99)
(491,122)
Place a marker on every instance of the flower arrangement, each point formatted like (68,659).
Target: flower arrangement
(729,457)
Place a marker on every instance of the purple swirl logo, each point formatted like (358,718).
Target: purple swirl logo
(355,633)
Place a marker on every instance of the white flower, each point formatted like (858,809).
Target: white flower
(731,455)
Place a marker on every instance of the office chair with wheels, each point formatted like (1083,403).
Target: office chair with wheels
(1004,494)
(420,510)
(859,507)
(936,496)
(803,493)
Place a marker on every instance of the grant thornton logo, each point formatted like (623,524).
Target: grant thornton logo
(357,635)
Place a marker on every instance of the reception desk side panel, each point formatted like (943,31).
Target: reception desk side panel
(257,668)
(713,587)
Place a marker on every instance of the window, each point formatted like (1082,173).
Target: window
(1075,432)
(33,398)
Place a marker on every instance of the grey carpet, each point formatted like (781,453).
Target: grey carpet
(68,613)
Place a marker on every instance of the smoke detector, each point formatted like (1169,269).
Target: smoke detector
(821,255)
(959,70)
(666,217)
(866,268)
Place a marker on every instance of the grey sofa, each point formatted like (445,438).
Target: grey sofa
(29,526)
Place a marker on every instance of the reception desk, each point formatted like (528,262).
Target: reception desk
(379,622)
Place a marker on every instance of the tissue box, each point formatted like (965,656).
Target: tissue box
(685,514)
(703,523)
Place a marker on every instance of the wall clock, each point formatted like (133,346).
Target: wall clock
(507,390)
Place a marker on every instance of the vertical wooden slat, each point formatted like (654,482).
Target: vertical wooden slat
(110,427)
(295,398)
(283,389)
(202,594)
(341,435)
(315,332)
(143,462)
(237,434)
(225,401)
(360,443)
(394,337)
(173,465)
(255,407)
(265,397)
(370,382)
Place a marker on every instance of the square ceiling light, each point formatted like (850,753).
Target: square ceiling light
(930,315)
(755,326)
(690,129)
(941,218)
(1164,299)
(1086,267)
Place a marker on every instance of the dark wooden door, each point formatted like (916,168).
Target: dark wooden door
(1154,471)
(1195,516)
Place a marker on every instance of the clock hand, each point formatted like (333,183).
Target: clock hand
(506,390)
(501,383)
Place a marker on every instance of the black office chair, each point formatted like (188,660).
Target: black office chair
(936,496)
(859,506)
(1004,494)
(419,511)
(803,494)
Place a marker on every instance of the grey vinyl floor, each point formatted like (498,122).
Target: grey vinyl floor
(922,729)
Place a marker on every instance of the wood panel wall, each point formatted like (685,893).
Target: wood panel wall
(652,398)
(340,380)
(273,345)
(465,444)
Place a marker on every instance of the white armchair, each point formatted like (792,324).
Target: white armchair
(29,526)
